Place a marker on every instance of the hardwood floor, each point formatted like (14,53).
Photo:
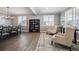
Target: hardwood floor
(23,42)
(44,44)
(32,42)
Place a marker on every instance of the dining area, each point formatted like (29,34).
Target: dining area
(7,32)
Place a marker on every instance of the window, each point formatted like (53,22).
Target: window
(72,18)
(4,22)
(22,20)
(69,17)
(62,20)
(77,22)
(48,20)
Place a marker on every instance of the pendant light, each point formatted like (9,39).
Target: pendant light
(8,16)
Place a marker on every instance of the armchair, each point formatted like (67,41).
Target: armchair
(14,30)
(52,30)
(65,38)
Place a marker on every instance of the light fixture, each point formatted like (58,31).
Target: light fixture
(8,14)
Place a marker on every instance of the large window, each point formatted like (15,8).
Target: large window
(62,20)
(22,20)
(67,19)
(4,21)
(77,22)
(77,17)
(48,20)
(71,17)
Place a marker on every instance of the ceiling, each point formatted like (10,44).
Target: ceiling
(49,10)
(17,10)
(32,10)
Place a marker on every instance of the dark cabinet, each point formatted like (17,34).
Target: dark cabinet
(34,25)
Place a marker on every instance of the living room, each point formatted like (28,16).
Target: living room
(35,28)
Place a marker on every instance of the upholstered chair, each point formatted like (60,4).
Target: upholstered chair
(52,30)
(65,38)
